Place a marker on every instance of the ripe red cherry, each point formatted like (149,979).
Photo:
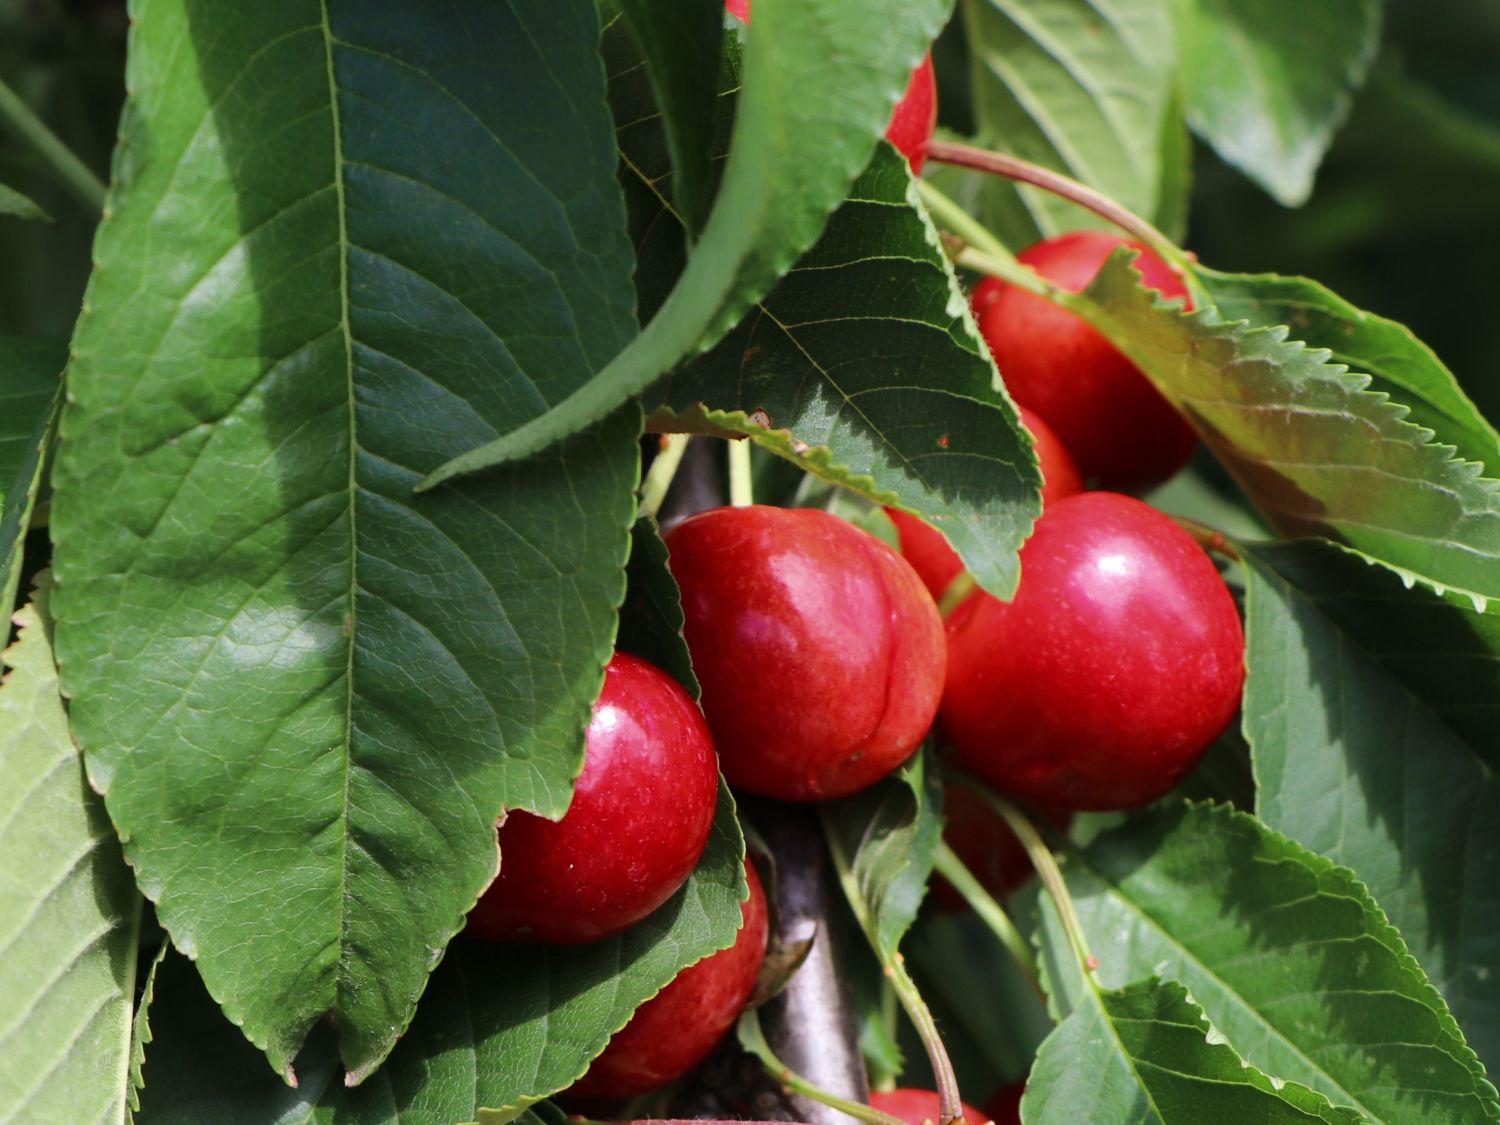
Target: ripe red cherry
(915,115)
(641,814)
(1118,426)
(677,1027)
(819,651)
(936,563)
(985,844)
(1004,1107)
(1117,663)
(918,1106)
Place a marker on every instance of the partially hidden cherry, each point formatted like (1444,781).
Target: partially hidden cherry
(641,814)
(1118,426)
(917,1107)
(1004,1106)
(985,845)
(915,116)
(938,564)
(1119,661)
(819,651)
(676,1028)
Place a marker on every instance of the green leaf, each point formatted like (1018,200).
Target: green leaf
(680,45)
(1289,957)
(1085,89)
(1145,1053)
(818,92)
(651,618)
(337,256)
(1371,709)
(69,914)
(1268,87)
(501,1026)
(864,367)
(1397,362)
(140,1031)
(30,391)
(1315,450)
(886,836)
(19,206)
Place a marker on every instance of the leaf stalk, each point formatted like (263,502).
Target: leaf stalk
(63,162)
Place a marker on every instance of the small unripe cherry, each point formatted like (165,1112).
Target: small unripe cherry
(1122,431)
(938,564)
(919,1107)
(641,814)
(675,1029)
(1119,660)
(819,651)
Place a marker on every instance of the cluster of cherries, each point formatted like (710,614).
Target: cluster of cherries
(824,663)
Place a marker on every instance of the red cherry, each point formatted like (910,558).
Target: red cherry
(918,1106)
(938,564)
(1004,1107)
(677,1027)
(1118,426)
(641,814)
(987,847)
(915,115)
(819,651)
(1120,659)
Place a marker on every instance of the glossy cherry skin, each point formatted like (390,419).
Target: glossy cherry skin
(677,1027)
(1120,659)
(938,564)
(641,814)
(1122,431)
(985,845)
(918,1106)
(819,651)
(915,115)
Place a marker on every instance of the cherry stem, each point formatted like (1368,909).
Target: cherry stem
(754,1040)
(990,912)
(1209,538)
(1046,868)
(19,119)
(950,1104)
(741,491)
(1025,172)
(955,592)
(663,470)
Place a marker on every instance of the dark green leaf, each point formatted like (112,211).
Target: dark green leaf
(818,92)
(886,835)
(1085,89)
(1145,1053)
(1314,449)
(680,45)
(1397,362)
(19,206)
(1268,86)
(651,618)
(30,389)
(1372,709)
(501,1026)
(69,913)
(1289,956)
(337,256)
(863,366)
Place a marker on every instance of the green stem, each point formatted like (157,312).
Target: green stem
(951,215)
(31,129)
(741,476)
(754,1040)
(1023,171)
(955,592)
(950,867)
(1024,277)
(659,477)
(1209,538)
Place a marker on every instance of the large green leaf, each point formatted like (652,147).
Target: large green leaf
(1145,1053)
(1288,956)
(863,366)
(500,1025)
(1314,448)
(651,618)
(1085,89)
(69,913)
(340,251)
(30,389)
(1268,85)
(1371,709)
(1397,362)
(818,90)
